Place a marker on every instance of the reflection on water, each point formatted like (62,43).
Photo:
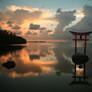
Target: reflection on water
(9,64)
(79,75)
(4,50)
(43,59)
(30,61)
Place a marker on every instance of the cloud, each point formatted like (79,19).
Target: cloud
(43,28)
(79,15)
(37,21)
(59,10)
(77,20)
(9,23)
(34,27)
(18,15)
(14,8)
(64,18)
(42,32)
(28,33)
(85,24)
(23,18)
(35,33)
(16,27)
(49,30)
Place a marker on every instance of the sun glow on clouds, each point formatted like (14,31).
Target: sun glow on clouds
(23,16)
(79,15)
(14,8)
(45,15)
(50,22)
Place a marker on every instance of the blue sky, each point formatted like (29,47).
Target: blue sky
(48,4)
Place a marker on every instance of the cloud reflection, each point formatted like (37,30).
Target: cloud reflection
(47,58)
(29,67)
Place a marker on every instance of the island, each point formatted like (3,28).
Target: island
(7,37)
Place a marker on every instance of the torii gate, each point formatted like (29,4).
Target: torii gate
(80,59)
(83,37)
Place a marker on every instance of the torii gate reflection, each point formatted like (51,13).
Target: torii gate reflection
(79,59)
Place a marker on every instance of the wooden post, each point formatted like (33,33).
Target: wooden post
(84,72)
(75,44)
(85,45)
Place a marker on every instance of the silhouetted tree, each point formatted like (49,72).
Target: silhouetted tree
(7,37)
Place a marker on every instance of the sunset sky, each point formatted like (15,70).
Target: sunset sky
(45,19)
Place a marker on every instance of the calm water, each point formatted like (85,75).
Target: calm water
(42,67)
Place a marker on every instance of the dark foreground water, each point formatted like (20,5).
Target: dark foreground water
(42,67)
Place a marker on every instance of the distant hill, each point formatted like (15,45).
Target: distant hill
(10,38)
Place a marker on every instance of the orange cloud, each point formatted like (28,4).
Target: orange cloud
(23,16)
(14,8)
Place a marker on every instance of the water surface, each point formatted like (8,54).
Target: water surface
(42,67)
